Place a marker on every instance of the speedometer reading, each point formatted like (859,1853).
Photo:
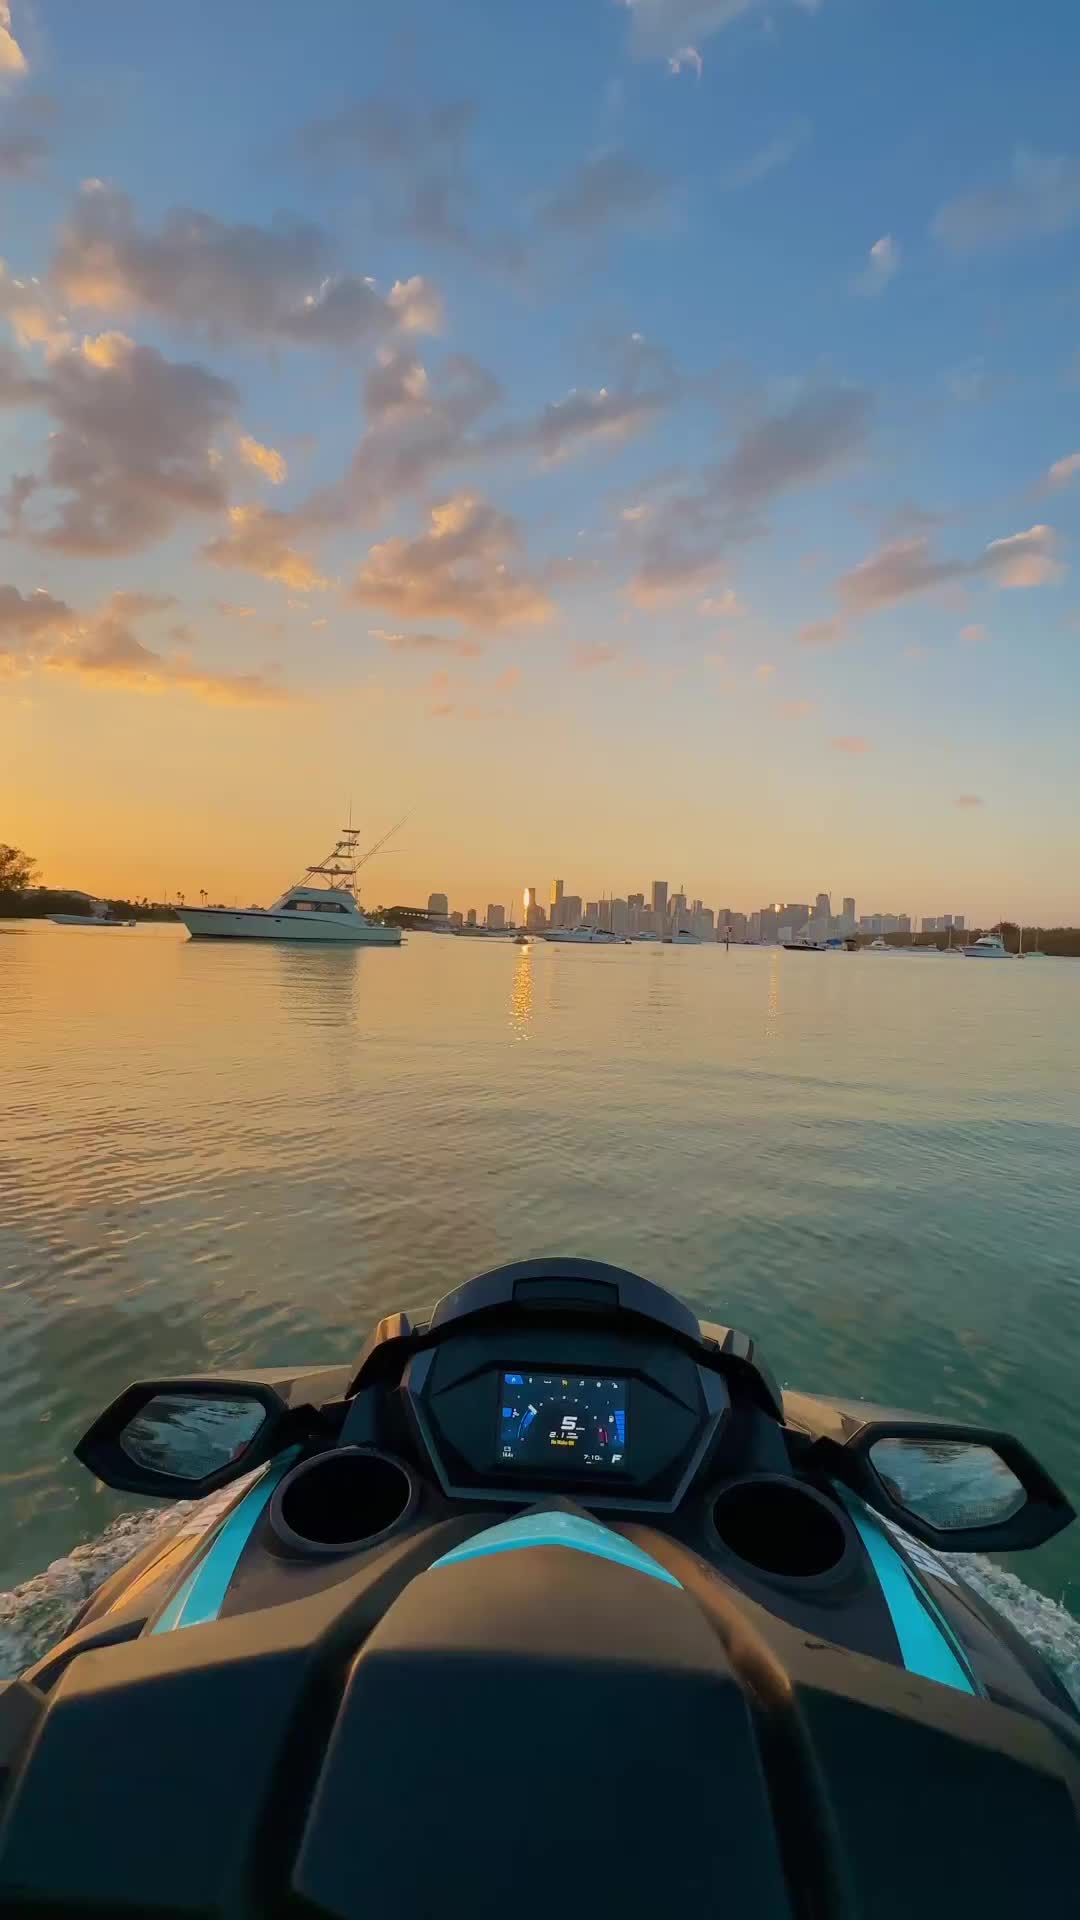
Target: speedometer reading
(557,1421)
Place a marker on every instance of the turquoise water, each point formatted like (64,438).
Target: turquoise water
(215,1156)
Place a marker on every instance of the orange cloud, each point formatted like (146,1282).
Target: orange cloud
(1063,471)
(969,800)
(596,655)
(276,282)
(427,643)
(265,460)
(905,568)
(458,570)
(820,633)
(850,743)
(38,631)
(12,57)
(257,542)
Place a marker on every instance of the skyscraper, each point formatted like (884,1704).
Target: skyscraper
(534,913)
(496,918)
(556,915)
(659,900)
(849,908)
(823,907)
(438,903)
(470,917)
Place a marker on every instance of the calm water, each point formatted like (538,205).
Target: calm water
(215,1156)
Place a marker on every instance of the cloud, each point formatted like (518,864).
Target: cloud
(973,635)
(850,743)
(427,643)
(31,314)
(20,151)
(588,657)
(564,427)
(882,264)
(1063,471)
(12,57)
(607,189)
(906,568)
(1041,197)
(658,27)
(130,454)
(415,165)
(228,282)
(797,445)
(422,425)
(969,800)
(102,649)
(688,59)
(765,671)
(820,633)
(232,611)
(258,542)
(769,158)
(418,426)
(797,709)
(682,541)
(723,606)
(459,570)
(508,679)
(265,460)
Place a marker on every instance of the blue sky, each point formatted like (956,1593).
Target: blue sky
(678,400)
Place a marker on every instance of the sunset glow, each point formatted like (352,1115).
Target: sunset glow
(678,483)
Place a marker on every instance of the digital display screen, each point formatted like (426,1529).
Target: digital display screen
(552,1421)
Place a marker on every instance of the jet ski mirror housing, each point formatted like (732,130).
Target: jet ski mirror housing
(180,1439)
(959,1488)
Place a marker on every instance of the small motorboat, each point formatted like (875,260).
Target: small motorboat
(555,1519)
(98,914)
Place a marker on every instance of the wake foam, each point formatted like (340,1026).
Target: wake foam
(36,1614)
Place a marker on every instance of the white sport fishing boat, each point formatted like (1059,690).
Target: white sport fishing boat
(322,907)
(990,946)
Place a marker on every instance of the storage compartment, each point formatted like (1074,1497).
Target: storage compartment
(342,1500)
(781,1528)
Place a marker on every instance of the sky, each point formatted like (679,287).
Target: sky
(633,439)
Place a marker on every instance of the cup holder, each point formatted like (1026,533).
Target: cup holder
(342,1500)
(780,1527)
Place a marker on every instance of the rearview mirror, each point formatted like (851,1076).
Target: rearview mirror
(958,1488)
(181,1439)
(188,1436)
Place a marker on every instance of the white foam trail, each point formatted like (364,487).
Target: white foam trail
(34,1616)
(1042,1622)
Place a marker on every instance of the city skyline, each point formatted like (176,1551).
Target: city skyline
(658,910)
(686,482)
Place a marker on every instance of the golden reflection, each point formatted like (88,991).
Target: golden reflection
(772,1009)
(521,993)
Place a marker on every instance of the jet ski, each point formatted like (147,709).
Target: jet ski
(549,1602)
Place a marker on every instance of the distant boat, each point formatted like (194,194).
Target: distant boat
(804,946)
(880,946)
(683,938)
(990,946)
(322,907)
(100,915)
(583,937)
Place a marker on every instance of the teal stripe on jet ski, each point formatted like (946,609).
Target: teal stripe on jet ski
(926,1646)
(558,1530)
(201,1596)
